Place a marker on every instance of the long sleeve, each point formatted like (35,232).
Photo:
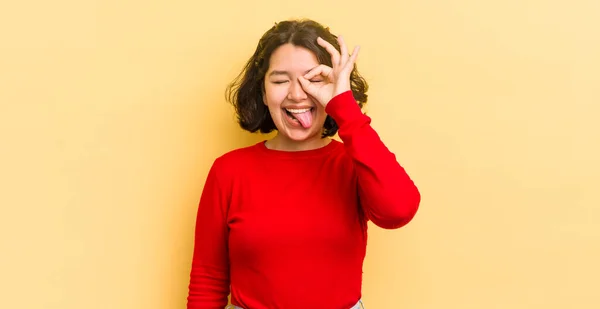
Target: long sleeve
(387,194)
(209,278)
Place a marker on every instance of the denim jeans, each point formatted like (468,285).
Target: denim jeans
(358,305)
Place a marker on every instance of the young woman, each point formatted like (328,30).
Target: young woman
(282,224)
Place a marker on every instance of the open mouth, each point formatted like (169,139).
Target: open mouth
(300,116)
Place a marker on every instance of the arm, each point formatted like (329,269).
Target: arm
(387,194)
(209,279)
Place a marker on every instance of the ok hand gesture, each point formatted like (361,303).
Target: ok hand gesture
(336,79)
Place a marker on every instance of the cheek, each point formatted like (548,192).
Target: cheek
(274,95)
(322,113)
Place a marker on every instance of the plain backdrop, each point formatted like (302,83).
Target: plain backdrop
(111,113)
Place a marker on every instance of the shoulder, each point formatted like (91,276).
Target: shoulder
(240,154)
(230,162)
(340,156)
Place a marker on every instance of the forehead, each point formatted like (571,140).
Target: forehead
(290,57)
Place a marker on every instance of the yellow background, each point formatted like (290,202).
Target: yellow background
(111,113)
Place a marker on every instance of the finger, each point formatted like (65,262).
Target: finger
(322,70)
(306,85)
(335,55)
(343,51)
(352,59)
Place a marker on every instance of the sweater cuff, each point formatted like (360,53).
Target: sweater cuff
(343,108)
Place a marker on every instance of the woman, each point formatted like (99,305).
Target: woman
(282,224)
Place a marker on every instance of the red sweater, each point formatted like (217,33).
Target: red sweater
(288,230)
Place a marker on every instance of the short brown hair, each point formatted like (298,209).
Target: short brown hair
(245,93)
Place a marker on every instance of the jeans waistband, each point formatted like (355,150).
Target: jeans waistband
(358,305)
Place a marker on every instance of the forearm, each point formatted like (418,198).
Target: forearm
(387,194)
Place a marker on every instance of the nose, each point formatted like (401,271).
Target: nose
(296,93)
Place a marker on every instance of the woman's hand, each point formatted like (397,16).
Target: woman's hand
(324,82)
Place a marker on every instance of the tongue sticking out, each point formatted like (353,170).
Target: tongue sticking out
(305,119)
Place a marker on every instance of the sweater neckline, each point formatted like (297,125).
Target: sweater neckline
(262,147)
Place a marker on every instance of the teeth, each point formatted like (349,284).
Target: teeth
(297,111)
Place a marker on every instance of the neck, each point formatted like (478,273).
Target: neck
(280,143)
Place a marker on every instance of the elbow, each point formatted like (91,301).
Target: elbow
(398,212)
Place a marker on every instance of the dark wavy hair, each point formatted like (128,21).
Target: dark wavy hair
(246,91)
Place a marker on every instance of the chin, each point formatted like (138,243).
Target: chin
(303,136)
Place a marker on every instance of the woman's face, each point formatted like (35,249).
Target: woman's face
(297,117)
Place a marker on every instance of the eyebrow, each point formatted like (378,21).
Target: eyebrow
(276,72)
